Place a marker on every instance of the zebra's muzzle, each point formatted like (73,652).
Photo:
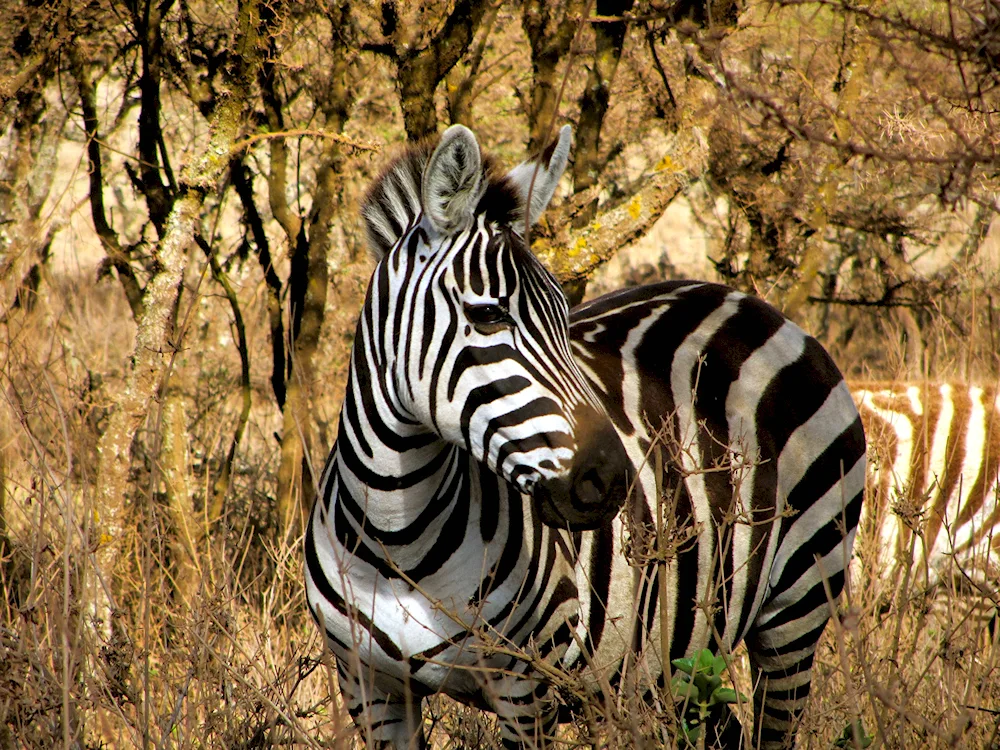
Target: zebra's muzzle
(594,489)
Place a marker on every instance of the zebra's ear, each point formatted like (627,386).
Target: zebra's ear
(540,177)
(453,181)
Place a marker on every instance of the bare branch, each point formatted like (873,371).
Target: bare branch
(148,17)
(586,249)
(422,68)
(116,254)
(551,28)
(609,38)
(461,92)
(277,178)
(245,144)
(244,189)
(221,485)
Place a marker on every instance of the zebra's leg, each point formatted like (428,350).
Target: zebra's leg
(723,729)
(527,714)
(385,721)
(782,678)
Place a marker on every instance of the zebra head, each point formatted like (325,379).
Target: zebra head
(472,331)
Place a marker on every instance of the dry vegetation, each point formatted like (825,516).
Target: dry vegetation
(181,268)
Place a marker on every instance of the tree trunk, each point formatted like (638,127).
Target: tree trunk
(152,351)
(551,27)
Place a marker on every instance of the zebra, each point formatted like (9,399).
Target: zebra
(466,536)
(932,518)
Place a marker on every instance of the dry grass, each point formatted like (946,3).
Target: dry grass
(225,658)
(229,657)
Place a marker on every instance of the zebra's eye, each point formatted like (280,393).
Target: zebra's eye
(488,318)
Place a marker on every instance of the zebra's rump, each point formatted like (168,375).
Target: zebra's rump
(934,485)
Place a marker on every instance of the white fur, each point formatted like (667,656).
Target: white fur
(538,182)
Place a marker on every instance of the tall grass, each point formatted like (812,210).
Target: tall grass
(211,644)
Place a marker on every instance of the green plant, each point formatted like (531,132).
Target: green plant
(697,687)
(847,737)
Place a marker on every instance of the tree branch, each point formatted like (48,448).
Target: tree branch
(244,189)
(277,181)
(109,240)
(221,485)
(147,18)
(583,251)
(609,39)
(551,37)
(460,90)
(421,69)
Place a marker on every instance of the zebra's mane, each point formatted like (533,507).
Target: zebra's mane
(392,203)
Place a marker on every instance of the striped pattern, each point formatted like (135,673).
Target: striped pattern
(466,538)
(934,498)
(764,460)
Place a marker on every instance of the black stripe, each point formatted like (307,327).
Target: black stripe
(487,394)
(473,253)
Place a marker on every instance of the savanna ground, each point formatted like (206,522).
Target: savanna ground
(181,268)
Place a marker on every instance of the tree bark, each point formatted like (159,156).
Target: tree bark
(159,197)
(575,256)
(421,68)
(308,293)
(185,541)
(551,27)
(152,351)
(609,38)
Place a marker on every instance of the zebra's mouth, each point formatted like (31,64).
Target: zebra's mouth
(577,513)
(592,491)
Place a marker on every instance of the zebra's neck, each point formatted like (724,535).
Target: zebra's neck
(391,472)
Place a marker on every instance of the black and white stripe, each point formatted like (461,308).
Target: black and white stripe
(933,509)
(467,536)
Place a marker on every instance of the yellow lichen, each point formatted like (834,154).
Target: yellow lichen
(666,164)
(635,207)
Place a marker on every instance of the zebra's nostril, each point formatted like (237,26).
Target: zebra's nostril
(590,488)
(528,484)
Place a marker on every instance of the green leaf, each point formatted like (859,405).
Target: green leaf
(691,733)
(705,660)
(684,691)
(723,695)
(685,665)
(719,665)
(846,738)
